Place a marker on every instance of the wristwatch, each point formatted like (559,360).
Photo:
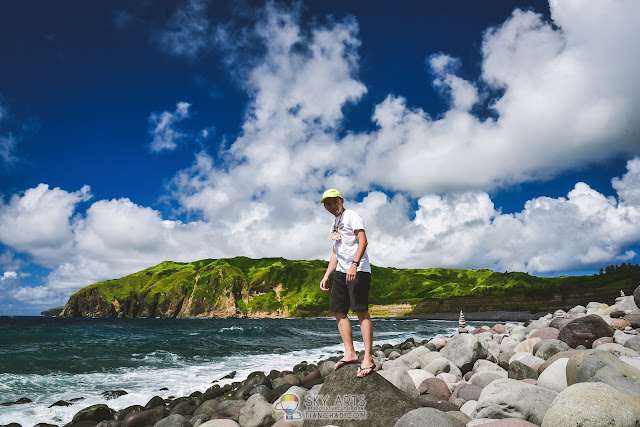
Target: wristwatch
(357,263)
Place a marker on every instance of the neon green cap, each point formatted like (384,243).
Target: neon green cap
(330,193)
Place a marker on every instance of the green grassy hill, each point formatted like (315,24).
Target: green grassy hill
(276,287)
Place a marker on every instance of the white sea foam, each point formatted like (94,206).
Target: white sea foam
(141,384)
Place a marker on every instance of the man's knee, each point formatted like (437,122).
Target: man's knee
(363,314)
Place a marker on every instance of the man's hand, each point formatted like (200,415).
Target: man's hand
(351,274)
(323,284)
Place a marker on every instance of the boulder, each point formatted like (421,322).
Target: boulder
(183,408)
(483,379)
(578,309)
(230,413)
(520,371)
(258,412)
(538,324)
(590,404)
(603,340)
(418,376)
(145,418)
(220,423)
(510,398)
(585,330)
(463,350)
(467,392)
(198,419)
(122,413)
(263,390)
(175,420)
(385,403)
(402,380)
(154,402)
(632,361)
(633,343)
(432,402)
(469,407)
(618,350)
(546,333)
(208,407)
(621,338)
(528,359)
(620,324)
(636,296)
(549,347)
(504,358)
(439,341)
(498,328)
(508,343)
(427,417)
(509,422)
(406,362)
(459,416)
(603,367)
(626,303)
(438,366)
(94,413)
(634,319)
(548,362)
(434,387)
(482,365)
(554,376)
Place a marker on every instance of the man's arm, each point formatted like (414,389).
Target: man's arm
(333,262)
(361,237)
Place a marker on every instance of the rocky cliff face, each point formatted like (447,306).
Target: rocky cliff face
(215,294)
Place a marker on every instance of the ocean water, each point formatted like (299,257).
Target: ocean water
(52,359)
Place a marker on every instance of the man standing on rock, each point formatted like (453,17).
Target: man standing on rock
(351,281)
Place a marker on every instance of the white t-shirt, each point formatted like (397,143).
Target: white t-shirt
(346,248)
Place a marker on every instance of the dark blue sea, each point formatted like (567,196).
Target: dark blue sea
(52,359)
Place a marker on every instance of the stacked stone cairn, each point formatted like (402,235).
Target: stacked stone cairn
(575,368)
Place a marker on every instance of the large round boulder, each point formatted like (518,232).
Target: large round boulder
(435,387)
(258,412)
(549,347)
(597,366)
(584,331)
(510,398)
(463,350)
(555,376)
(590,404)
(428,417)
(401,379)
(634,319)
(546,333)
(94,413)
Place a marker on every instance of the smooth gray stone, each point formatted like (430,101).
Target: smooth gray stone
(590,404)
(428,417)
(508,398)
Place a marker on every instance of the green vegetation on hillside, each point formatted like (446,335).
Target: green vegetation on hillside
(276,285)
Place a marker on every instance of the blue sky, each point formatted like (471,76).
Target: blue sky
(497,135)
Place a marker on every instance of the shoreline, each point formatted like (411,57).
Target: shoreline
(507,357)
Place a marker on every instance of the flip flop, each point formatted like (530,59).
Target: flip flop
(341,363)
(361,369)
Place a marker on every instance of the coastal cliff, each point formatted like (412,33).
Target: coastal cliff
(275,287)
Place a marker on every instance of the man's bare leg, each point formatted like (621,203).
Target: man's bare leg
(344,326)
(366,327)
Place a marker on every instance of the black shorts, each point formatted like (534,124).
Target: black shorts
(354,296)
